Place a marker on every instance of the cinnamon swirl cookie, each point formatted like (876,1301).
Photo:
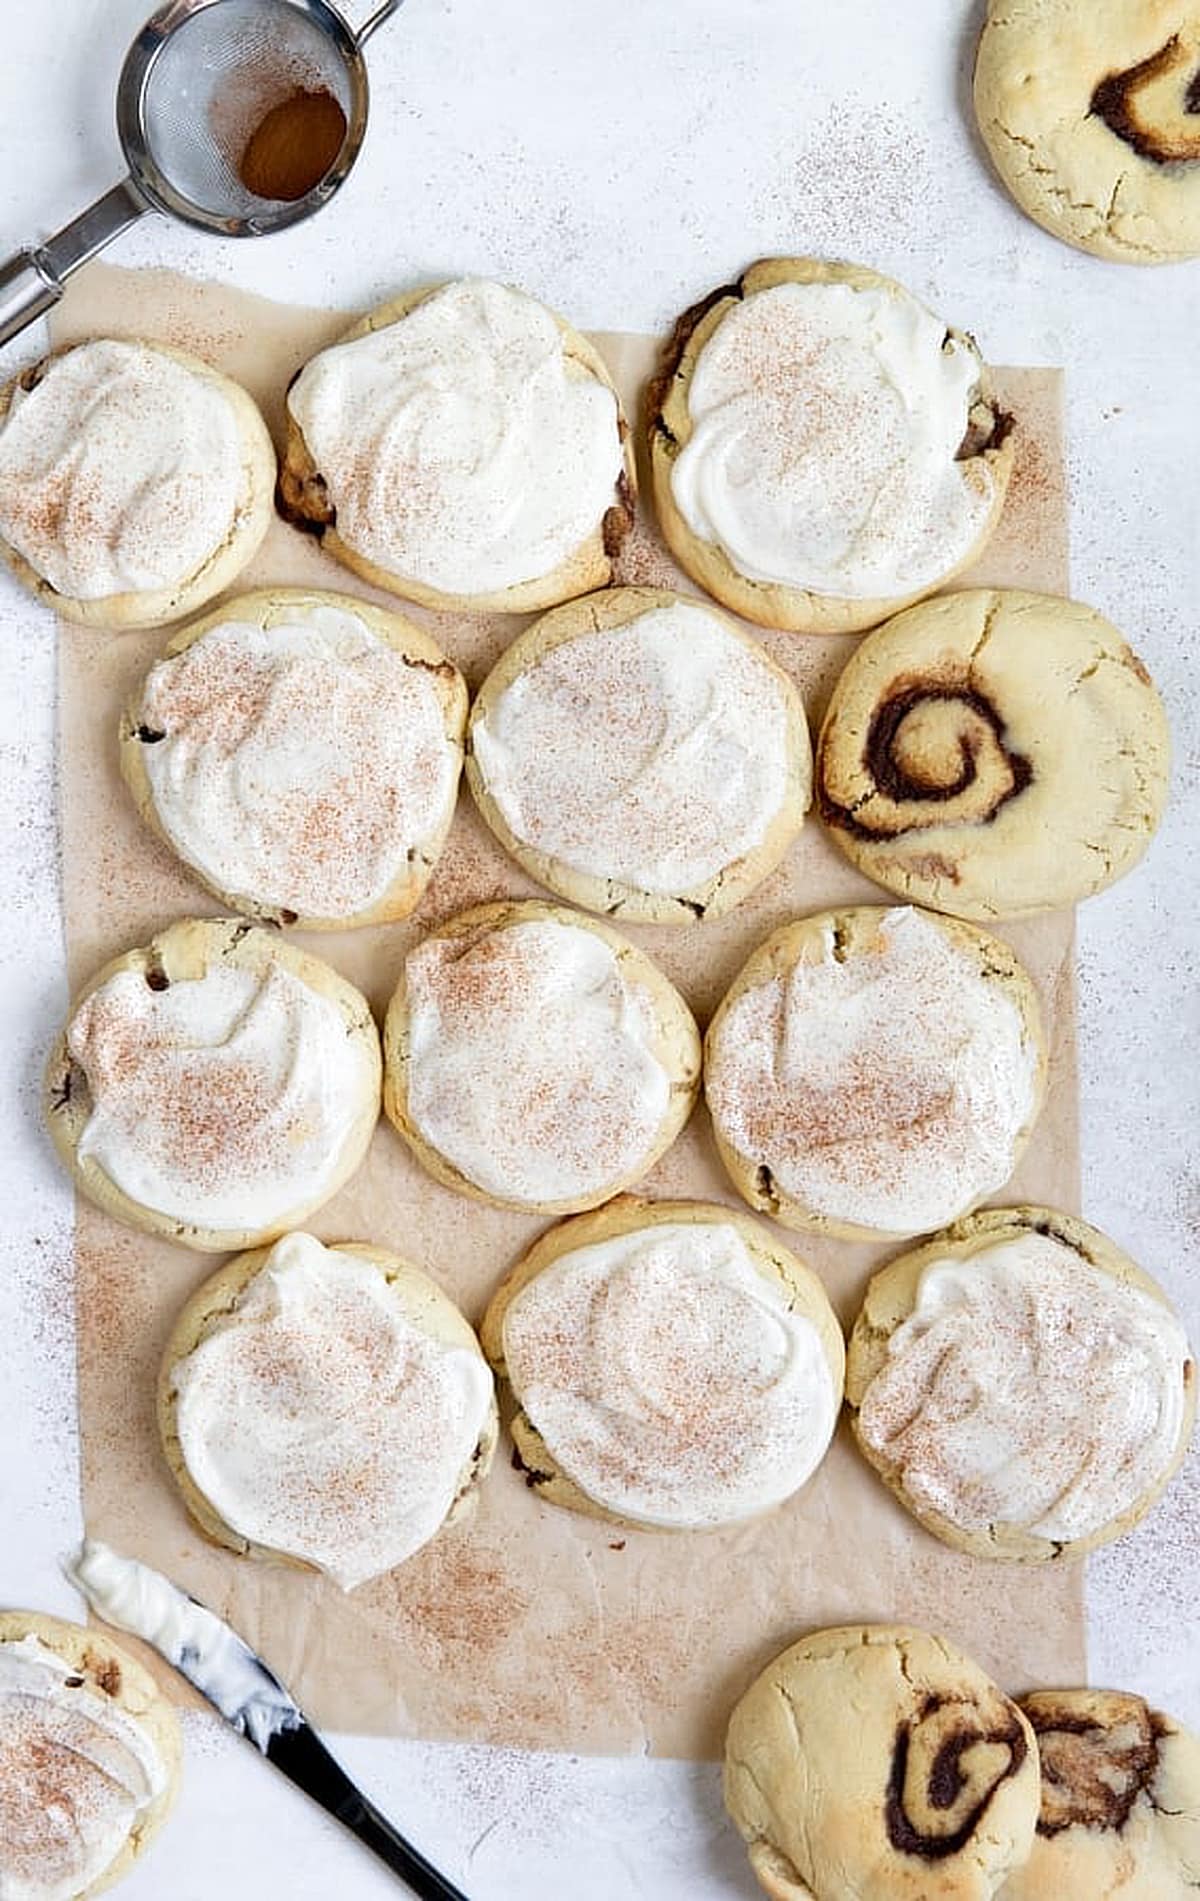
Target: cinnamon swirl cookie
(464,447)
(824,450)
(880,1762)
(640,755)
(993,754)
(135,482)
(671,1365)
(1021,1385)
(1092,117)
(535,1059)
(300,751)
(216,1086)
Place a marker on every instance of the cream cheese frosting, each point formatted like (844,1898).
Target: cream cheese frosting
(886,1091)
(1029,1389)
(76,1773)
(654,753)
(826,423)
(303,763)
(321,1418)
(120,471)
(223,1101)
(533,1066)
(668,1377)
(458,446)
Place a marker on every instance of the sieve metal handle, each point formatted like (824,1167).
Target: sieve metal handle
(31,282)
(363,33)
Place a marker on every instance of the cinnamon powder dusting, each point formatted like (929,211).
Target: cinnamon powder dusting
(293,145)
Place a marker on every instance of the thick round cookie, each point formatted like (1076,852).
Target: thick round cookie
(215,1086)
(823,449)
(1091,114)
(993,754)
(874,1073)
(327,1407)
(670,1364)
(135,482)
(878,1761)
(90,1758)
(640,755)
(300,751)
(1025,1389)
(464,447)
(535,1059)
(1120,1816)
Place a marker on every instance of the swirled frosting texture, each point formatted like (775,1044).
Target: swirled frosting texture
(120,472)
(826,426)
(1029,1389)
(669,1377)
(459,446)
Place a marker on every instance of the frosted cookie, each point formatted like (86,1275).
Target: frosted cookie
(300,752)
(638,754)
(1092,116)
(464,447)
(325,1406)
(216,1086)
(535,1059)
(1120,1816)
(993,754)
(90,1758)
(824,450)
(874,1072)
(1021,1385)
(135,482)
(671,1365)
(878,1761)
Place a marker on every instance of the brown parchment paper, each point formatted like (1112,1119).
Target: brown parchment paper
(528,1626)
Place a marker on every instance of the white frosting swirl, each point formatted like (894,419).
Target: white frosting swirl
(669,1378)
(888,1090)
(826,422)
(303,763)
(76,1774)
(120,472)
(1029,1389)
(457,445)
(323,1417)
(655,753)
(225,1101)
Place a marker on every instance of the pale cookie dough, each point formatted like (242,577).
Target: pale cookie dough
(671,1365)
(994,754)
(823,449)
(1091,112)
(300,751)
(90,1759)
(464,447)
(880,1763)
(1025,1389)
(638,754)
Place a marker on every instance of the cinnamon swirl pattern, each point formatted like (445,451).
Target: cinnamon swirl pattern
(994,754)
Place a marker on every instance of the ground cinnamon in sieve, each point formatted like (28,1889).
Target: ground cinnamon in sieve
(293,145)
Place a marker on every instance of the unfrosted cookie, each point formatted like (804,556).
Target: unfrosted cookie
(300,751)
(215,1086)
(325,1406)
(536,1059)
(135,482)
(640,755)
(1021,1385)
(824,450)
(1091,112)
(90,1759)
(880,1762)
(874,1072)
(671,1365)
(464,447)
(994,753)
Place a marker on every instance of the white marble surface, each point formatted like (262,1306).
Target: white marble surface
(620,160)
